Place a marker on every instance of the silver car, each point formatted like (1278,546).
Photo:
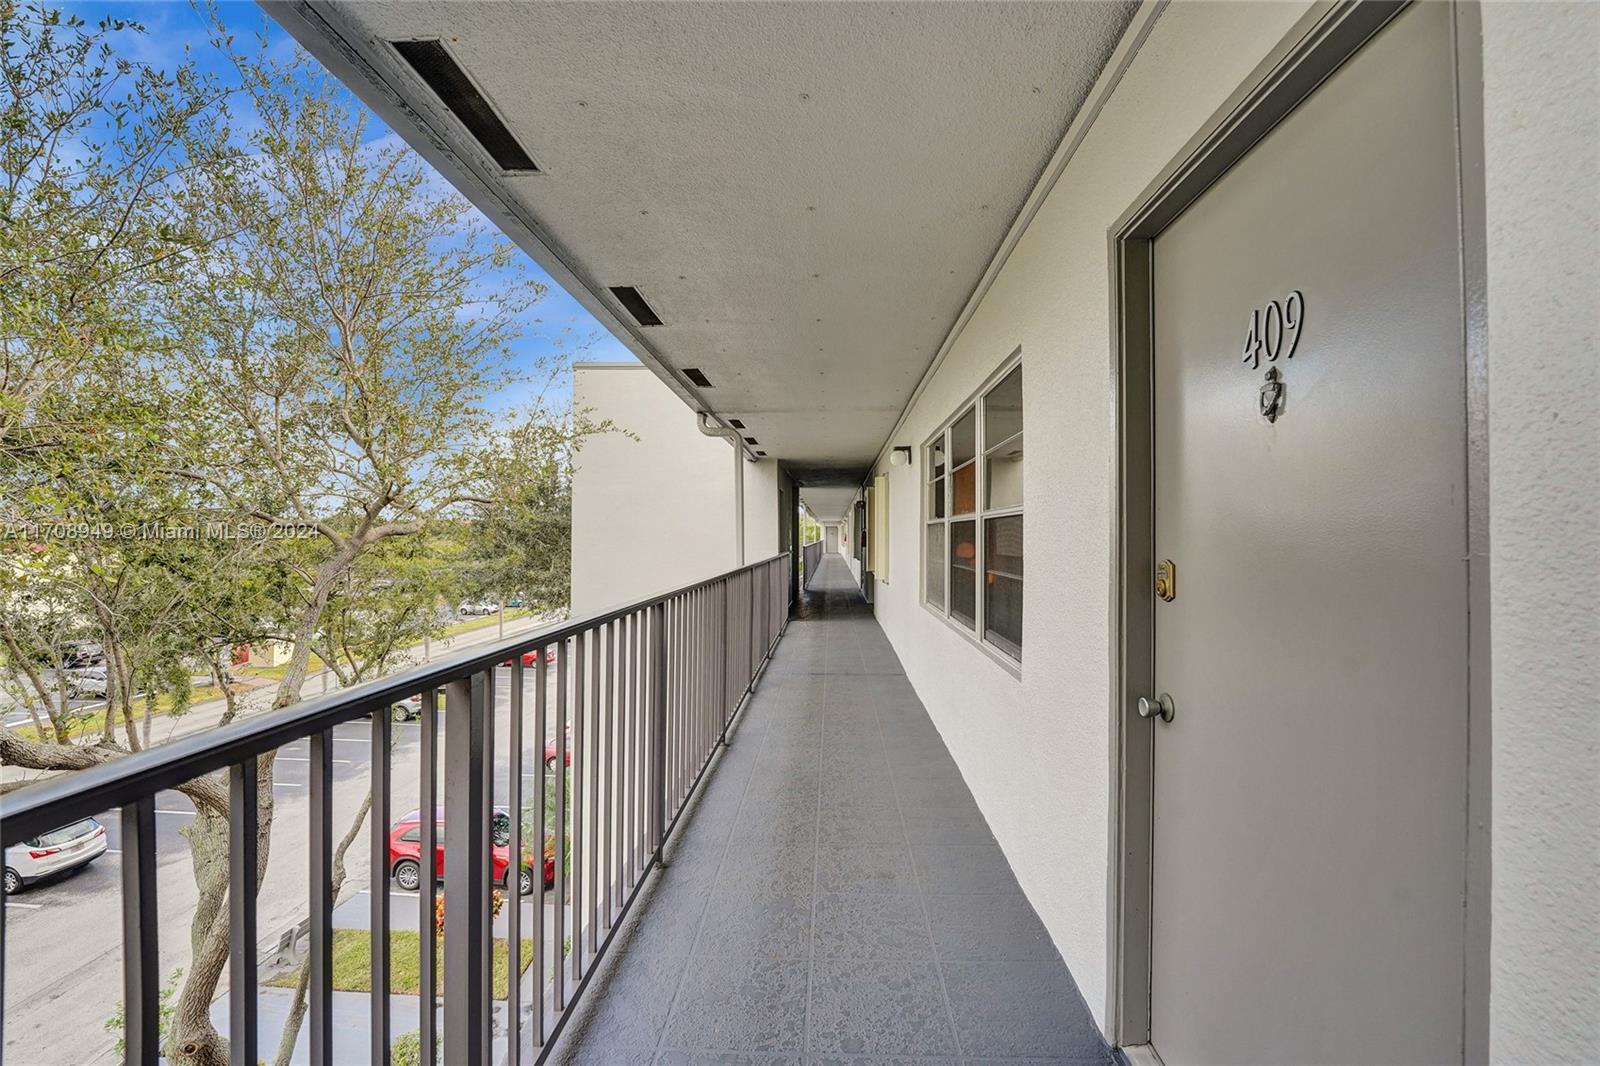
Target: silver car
(88,681)
(53,853)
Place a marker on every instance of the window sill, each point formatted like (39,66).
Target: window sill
(1004,661)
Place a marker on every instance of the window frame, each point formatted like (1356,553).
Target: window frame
(979,515)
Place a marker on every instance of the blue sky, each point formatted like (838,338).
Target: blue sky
(559,329)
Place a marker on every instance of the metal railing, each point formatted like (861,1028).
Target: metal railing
(810,559)
(648,691)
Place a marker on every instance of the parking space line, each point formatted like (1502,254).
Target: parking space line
(26,906)
(300,745)
(306,758)
(160,811)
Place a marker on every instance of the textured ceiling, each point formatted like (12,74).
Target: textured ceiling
(806,193)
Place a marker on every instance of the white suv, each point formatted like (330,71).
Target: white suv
(52,853)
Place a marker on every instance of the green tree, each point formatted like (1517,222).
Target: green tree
(339,352)
(90,144)
(521,538)
(300,331)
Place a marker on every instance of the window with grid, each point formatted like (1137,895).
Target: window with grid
(972,503)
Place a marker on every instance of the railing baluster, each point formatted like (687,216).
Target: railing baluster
(3,921)
(578,847)
(641,725)
(382,724)
(696,676)
(514,868)
(687,669)
(558,935)
(722,663)
(469,710)
(541,817)
(483,899)
(631,807)
(658,711)
(141,966)
(243,827)
(714,685)
(675,694)
(321,916)
(427,899)
(592,748)
(609,817)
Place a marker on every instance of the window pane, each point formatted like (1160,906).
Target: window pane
(964,438)
(965,490)
(1003,475)
(963,571)
(936,459)
(1002,589)
(1002,409)
(936,499)
(933,564)
(65,833)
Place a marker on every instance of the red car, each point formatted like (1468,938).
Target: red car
(530,659)
(405,853)
(550,751)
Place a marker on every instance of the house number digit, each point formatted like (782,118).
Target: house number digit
(1275,331)
(1294,313)
(1252,340)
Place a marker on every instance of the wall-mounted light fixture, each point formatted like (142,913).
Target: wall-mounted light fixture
(900,456)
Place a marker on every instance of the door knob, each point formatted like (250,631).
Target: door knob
(1160,707)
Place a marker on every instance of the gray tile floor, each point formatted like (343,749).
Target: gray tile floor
(834,895)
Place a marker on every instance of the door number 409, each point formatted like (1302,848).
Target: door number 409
(1275,331)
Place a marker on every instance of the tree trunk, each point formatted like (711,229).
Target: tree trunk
(222,678)
(41,691)
(191,1038)
(294,677)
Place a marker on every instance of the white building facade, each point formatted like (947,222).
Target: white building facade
(652,497)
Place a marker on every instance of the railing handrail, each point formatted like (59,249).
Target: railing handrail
(78,794)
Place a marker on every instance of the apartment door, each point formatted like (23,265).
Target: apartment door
(1309,827)
(860,526)
(830,539)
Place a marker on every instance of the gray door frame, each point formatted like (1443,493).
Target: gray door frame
(1330,33)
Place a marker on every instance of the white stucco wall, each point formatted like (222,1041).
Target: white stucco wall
(1542,178)
(656,512)
(1035,749)
(760,509)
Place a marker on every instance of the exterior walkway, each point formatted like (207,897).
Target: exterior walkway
(835,894)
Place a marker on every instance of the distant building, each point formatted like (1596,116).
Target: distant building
(652,500)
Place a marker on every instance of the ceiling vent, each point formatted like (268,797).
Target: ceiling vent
(751,441)
(635,304)
(697,377)
(735,423)
(439,70)
(761,455)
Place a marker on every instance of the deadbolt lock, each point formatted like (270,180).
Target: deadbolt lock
(1166,581)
